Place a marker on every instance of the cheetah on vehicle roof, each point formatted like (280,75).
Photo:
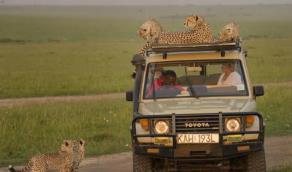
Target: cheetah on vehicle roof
(198,32)
(230,32)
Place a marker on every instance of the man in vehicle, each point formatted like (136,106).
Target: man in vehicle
(167,85)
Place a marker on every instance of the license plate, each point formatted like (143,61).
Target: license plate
(197,138)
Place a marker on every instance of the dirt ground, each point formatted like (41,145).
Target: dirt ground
(14,102)
(278,154)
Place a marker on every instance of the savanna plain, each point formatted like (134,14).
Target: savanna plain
(86,50)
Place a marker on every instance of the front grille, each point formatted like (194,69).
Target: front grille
(195,124)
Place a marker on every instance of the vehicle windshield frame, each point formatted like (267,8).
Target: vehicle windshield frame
(243,72)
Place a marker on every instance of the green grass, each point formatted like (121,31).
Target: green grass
(284,169)
(26,131)
(275,106)
(269,60)
(70,68)
(87,50)
(23,28)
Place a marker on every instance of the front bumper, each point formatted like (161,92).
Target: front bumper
(218,151)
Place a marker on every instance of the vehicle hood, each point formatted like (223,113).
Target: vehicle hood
(193,106)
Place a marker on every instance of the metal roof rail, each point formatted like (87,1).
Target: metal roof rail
(217,46)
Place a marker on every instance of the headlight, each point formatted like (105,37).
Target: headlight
(161,127)
(232,124)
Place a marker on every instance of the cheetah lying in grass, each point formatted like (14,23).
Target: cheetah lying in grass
(66,160)
(198,32)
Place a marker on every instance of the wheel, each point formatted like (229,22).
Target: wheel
(141,163)
(253,162)
(256,162)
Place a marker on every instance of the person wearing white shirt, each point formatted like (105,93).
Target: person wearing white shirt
(229,77)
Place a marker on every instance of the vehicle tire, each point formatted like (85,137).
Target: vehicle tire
(141,163)
(253,162)
(256,162)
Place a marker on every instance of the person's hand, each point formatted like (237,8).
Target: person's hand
(184,91)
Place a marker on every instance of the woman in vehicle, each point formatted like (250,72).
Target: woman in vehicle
(229,76)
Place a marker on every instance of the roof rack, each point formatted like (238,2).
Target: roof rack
(217,46)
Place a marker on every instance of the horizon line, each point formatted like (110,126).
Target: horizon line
(221,4)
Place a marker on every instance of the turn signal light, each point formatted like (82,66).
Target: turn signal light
(144,124)
(249,120)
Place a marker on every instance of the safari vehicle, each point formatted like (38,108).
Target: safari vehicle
(184,119)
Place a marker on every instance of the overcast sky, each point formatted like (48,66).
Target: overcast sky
(140,2)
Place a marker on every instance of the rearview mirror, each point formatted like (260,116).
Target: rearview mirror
(129,96)
(194,69)
(258,90)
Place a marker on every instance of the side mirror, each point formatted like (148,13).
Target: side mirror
(129,96)
(133,76)
(258,90)
(245,54)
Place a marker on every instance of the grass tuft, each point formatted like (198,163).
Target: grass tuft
(30,130)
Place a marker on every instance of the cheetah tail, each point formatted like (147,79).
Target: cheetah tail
(25,169)
(11,168)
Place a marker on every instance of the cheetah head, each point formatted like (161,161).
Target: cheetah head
(150,30)
(81,146)
(230,32)
(67,146)
(193,21)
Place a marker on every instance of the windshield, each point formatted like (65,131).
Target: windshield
(195,79)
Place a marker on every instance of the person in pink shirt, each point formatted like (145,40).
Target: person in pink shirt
(165,85)
(157,83)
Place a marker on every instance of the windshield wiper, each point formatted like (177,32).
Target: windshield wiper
(193,92)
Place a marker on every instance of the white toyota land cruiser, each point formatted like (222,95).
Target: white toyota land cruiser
(195,108)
